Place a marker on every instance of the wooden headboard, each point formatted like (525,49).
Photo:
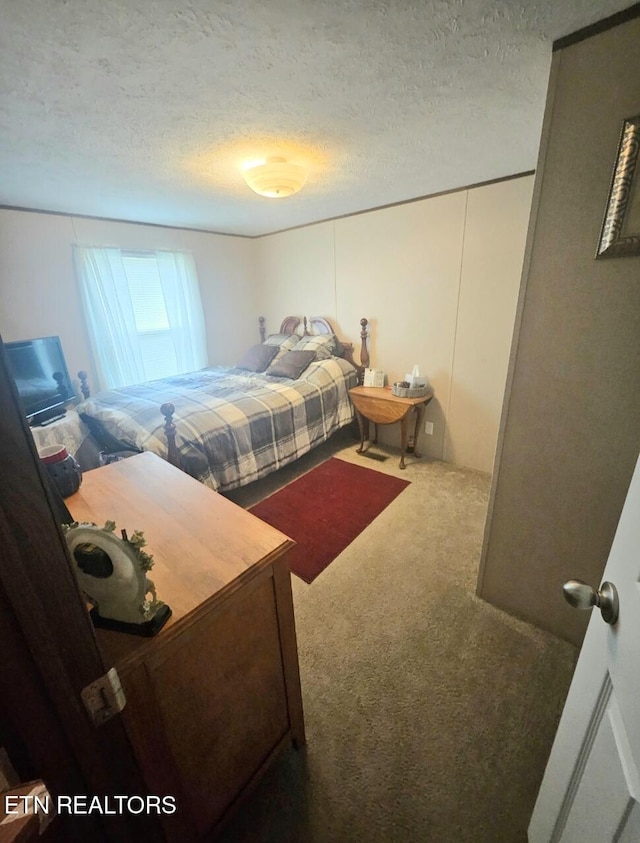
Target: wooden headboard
(319,325)
(290,324)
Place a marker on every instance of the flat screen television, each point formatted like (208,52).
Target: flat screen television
(41,375)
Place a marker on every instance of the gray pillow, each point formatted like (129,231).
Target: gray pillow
(258,357)
(292,364)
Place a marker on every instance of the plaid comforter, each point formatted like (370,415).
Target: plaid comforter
(233,426)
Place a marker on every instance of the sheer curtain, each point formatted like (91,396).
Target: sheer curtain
(114,336)
(177,271)
(110,320)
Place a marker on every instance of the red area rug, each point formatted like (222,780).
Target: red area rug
(324,511)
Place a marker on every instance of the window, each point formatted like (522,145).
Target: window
(143,312)
(150,315)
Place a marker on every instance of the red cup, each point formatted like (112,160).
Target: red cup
(52,454)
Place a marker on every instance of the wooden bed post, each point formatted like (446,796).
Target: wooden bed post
(261,321)
(167,411)
(364,351)
(84,383)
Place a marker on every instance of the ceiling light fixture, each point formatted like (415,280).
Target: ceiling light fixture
(275,177)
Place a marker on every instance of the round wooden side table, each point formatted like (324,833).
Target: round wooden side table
(378,405)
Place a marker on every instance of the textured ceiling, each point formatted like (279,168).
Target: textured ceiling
(147,110)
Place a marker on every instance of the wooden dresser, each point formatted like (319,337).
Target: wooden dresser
(216,694)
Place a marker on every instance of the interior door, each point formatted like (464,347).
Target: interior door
(591,788)
(49,651)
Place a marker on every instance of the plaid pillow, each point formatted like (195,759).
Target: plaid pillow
(324,345)
(285,342)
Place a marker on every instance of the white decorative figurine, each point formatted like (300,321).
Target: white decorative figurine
(112,572)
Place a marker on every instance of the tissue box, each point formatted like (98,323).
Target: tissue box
(373,377)
(416,380)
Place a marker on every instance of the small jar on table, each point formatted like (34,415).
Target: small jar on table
(378,405)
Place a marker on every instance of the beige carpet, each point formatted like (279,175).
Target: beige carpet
(429,713)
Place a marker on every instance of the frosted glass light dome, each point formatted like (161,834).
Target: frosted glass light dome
(275,178)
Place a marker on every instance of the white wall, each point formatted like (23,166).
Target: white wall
(39,294)
(438,280)
(494,244)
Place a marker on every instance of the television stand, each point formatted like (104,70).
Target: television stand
(71,432)
(49,417)
(57,417)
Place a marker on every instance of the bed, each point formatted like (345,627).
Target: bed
(230,426)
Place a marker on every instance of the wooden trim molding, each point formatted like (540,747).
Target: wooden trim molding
(70,214)
(596,28)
